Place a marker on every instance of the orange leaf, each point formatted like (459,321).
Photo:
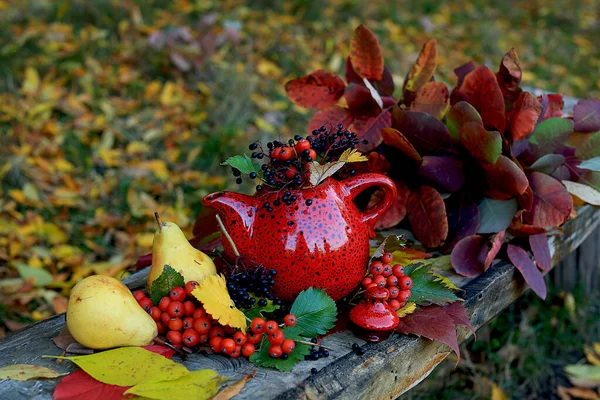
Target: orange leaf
(365,54)
(422,70)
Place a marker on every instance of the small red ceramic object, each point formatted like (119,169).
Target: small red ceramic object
(323,243)
(373,319)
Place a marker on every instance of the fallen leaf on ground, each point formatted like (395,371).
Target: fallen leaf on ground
(233,389)
(23,372)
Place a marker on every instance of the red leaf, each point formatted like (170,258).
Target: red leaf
(384,86)
(427,216)
(206,222)
(481,90)
(80,385)
(397,211)
(527,268)
(446,172)
(370,129)
(552,204)
(161,350)
(365,54)
(432,98)
(143,261)
(497,241)
(317,90)
(468,256)
(541,251)
(423,69)
(426,133)
(484,146)
(378,163)
(331,117)
(433,322)
(506,177)
(394,138)
(458,313)
(586,115)
(460,114)
(509,77)
(554,107)
(524,116)
(462,71)
(360,101)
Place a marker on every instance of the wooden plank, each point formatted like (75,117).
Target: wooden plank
(387,370)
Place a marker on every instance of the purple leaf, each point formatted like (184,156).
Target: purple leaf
(541,251)
(527,268)
(463,221)
(426,133)
(497,242)
(444,171)
(468,257)
(586,115)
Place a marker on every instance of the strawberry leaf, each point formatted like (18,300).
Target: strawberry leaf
(162,285)
(527,268)
(317,90)
(263,359)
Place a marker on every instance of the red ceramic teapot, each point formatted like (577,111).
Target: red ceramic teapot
(320,240)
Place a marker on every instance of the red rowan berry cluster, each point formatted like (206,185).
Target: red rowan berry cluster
(280,346)
(392,278)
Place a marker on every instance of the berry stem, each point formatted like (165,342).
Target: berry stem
(229,239)
(181,353)
(313,344)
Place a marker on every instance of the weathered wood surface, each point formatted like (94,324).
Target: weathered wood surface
(387,370)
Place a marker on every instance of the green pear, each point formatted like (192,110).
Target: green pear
(171,247)
(102,314)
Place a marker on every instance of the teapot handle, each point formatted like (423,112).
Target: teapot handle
(357,184)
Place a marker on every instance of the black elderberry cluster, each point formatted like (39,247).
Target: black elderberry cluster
(287,164)
(316,353)
(249,287)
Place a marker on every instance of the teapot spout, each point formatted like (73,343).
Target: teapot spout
(237,212)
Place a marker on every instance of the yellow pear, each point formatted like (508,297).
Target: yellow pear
(170,247)
(102,314)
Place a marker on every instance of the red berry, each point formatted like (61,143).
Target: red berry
(276,153)
(175,309)
(375,268)
(190,338)
(395,304)
(289,320)
(228,345)
(237,351)
(188,308)
(387,257)
(404,295)
(174,337)
(398,270)
(160,327)
(177,294)
(165,318)
(229,330)
(367,281)
(139,295)
(276,337)
(312,154)
(258,325)
(175,324)
(199,313)
(387,270)
(204,338)
(254,338)
(392,280)
(191,285)
(240,338)
(288,346)
(370,285)
(405,282)
(188,323)
(155,313)
(216,331)
(248,349)
(302,145)
(291,172)
(285,154)
(394,291)
(275,351)
(215,344)
(271,326)
(202,325)
(380,280)
(163,304)
(146,304)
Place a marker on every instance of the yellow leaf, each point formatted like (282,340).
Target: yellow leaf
(570,304)
(233,389)
(64,251)
(32,81)
(264,125)
(409,308)
(137,147)
(352,155)
(406,256)
(200,384)
(152,90)
(597,348)
(158,168)
(497,393)
(17,195)
(268,69)
(591,356)
(445,281)
(128,366)
(213,294)
(23,372)
(111,157)
(170,94)
(144,239)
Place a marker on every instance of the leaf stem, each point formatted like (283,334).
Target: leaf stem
(229,239)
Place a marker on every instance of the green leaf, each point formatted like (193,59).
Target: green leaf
(200,384)
(590,148)
(589,374)
(550,135)
(162,285)
(428,288)
(40,276)
(496,215)
(263,359)
(23,372)
(244,164)
(391,243)
(257,311)
(548,163)
(592,164)
(315,314)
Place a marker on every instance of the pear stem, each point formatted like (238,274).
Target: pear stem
(229,239)
(158,221)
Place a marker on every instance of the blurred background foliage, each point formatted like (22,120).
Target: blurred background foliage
(113,109)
